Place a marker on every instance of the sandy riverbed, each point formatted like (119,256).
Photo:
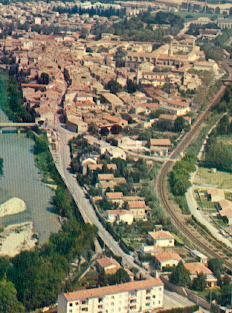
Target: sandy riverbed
(12,206)
(16,238)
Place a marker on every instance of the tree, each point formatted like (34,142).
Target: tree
(118,278)
(116,129)
(224,126)
(120,57)
(63,202)
(180,276)
(40,145)
(104,131)
(225,296)
(93,129)
(216,266)
(1,166)
(4,266)
(131,86)
(44,79)
(179,124)
(8,298)
(199,283)
(113,86)
(219,155)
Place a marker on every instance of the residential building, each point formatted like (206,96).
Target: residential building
(197,268)
(136,296)
(160,147)
(165,259)
(108,266)
(139,209)
(124,216)
(162,239)
(225,211)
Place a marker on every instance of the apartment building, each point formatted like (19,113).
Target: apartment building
(136,296)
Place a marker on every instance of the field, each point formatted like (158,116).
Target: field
(219,179)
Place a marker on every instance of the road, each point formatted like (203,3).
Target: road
(195,238)
(62,160)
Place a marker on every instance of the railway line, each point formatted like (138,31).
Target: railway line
(205,243)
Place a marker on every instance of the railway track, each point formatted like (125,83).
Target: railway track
(206,244)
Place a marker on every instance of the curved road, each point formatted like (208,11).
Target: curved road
(171,209)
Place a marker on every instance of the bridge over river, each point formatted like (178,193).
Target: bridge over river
(8,126)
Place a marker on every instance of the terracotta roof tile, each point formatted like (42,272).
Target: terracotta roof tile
(100,292)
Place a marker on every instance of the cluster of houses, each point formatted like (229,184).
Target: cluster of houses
(130,208)
(79,72)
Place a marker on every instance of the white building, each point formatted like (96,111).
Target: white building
(124,216)
(162,239)
(137,296)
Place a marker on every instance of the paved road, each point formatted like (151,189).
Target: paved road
(173,300)
(62,160)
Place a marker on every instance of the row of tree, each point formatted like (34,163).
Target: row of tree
(218,152)
(100,11)
(180,174)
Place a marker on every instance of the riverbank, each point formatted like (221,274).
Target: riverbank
(21,178)
(12,206)
(17,238)
(12,102)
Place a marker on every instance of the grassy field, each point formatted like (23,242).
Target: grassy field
(219,179)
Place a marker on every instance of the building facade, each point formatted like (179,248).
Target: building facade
(137,296)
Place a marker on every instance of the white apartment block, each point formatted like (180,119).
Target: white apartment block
(133,297)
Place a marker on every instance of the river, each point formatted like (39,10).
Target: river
(21,179)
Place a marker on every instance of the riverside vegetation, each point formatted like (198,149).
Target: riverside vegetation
(32,279)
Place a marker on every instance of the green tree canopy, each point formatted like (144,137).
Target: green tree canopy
(113,86)
(179,124)
(216,266)
(1,166)
(180,276)
(8,298)
(199,283)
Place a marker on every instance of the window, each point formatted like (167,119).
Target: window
(84,302)
(70,304)
(133,294)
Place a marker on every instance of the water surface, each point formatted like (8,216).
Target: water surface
(21,179)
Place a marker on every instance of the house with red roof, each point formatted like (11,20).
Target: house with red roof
(162,239)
